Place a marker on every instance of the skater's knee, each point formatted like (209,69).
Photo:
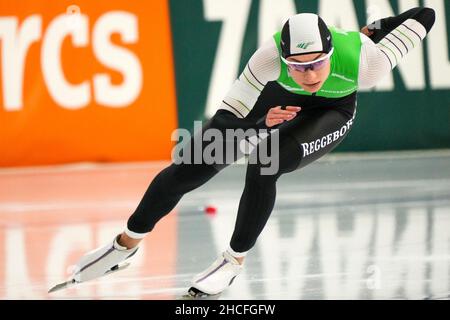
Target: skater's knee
(277,157)
(183,178)
(262,169)
(175,179)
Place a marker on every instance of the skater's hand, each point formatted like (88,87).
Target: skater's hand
(366,31)
(277,115)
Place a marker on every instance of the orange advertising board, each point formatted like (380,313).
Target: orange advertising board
(91,81)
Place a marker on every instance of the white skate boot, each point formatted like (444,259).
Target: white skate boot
(219,276)
(98,263)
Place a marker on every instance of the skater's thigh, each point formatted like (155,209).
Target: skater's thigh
(297,143)
(317,132)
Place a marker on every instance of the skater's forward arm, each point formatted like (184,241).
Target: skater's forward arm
(391,42)
(263,66)
(224,119)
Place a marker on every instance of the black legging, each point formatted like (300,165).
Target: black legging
(320,126)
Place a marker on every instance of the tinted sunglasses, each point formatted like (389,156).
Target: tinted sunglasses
(310,65)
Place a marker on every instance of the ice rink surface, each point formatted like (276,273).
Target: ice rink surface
(352,226)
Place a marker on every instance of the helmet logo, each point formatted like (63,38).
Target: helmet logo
(305,45)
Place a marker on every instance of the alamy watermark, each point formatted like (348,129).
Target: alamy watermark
(373,282)
(374,14)
(224,147)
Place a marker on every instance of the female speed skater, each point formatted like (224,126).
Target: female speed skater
(303,82)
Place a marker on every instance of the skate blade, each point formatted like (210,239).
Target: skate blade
(63,285)
(195,294)
(72,282)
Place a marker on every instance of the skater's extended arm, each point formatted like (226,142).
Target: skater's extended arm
(263,66)
(380,28)
(224,119)
(388,45)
